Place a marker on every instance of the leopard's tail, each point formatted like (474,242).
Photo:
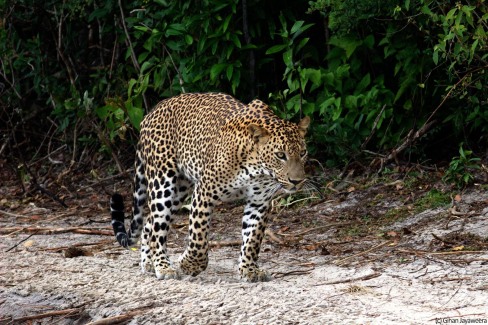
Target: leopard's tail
(118,216)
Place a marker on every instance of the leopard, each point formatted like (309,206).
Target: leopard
(217,149)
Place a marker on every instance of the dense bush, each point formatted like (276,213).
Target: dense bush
(371,73)
(390,69)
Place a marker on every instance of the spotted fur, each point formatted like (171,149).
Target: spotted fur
(218,149)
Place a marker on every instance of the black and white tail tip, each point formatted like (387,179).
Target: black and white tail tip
(117,212)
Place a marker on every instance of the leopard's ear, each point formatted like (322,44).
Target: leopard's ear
(303,125)
(259,134)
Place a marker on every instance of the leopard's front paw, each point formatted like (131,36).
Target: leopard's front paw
(192,266)
(253,274)
(166,272)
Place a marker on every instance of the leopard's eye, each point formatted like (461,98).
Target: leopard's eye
(303,153)
(280,155)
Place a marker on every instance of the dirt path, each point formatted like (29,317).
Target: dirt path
(320,275)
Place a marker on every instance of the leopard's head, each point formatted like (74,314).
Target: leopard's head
(281,149)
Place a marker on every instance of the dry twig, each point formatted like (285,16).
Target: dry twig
(120,318)
(373,129)
(58,249)
(360,278)
(48,230)
(65,312)
(442,239)
(10,214)
(218,244)
(419,252)
(278,275)
(456,252)
(342,261)
(273,237)
(20,242)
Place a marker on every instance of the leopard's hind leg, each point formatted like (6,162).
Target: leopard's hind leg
(139,197)
(167,192)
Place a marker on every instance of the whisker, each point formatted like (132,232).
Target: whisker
(314,186)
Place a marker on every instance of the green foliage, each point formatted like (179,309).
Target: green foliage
(460,169)
(368,72)
(388,69)
(184,47)
(349,97)
(344,17)
(456,38)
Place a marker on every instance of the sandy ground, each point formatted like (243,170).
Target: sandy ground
(318,278)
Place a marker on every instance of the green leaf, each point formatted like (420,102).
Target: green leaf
(451,13)
(296,26)
(226,23)
(102,112)
(142,57)
(145,66)
(302,43)
(229,71)
(435,57)
(214,47)
(314,75)
(236,80)
(158,78)
(348,44)
(144,84)
(326,104)
(426,10)
(473,49)
(276,48)
(142,28)
(188,39)
(369,41)
(136,114)
(98,13)
(287,58)
(175,30)
(300,31)
(216,70)
(351,102)
(363,84)
(175,46)
(132,82)
(403,87)
(338,109)
(236,41)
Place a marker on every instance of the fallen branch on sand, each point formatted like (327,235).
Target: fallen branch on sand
(120,318)
(278,275)
(360,278)
(229,243)
(419,252)
(62,248)
(48,231)
(65,312)
(10,214)
(116,319)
